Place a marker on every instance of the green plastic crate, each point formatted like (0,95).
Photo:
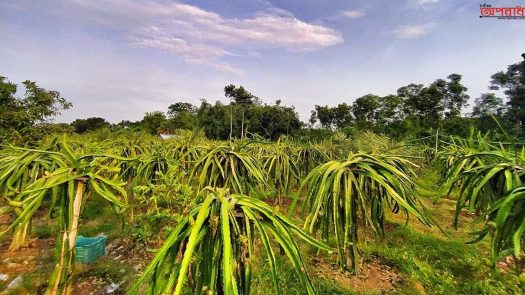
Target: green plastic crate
(88,250)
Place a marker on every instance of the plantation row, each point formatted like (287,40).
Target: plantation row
(226,196)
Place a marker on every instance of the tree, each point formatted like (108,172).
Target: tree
(273,121)
(153,121)
(513,81)
(330,117)
(325,115)
(129,125)
(389,115)
(313,119)
(268,121)
(433,103)
(410,97)
(455,98)
(423,107)
(213,119)
(179,108)
(58,128)
(342,115)
(240,97)
(182,115)
(365,110)
(42,104)
(486,105)
(89,124)
(21,115)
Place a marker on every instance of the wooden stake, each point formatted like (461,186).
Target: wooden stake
(437,139)
(77,203)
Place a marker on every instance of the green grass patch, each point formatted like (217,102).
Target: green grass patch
(44,231)
(289,282)
(441,266)
(99,218)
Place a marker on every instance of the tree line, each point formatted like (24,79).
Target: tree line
(415,110)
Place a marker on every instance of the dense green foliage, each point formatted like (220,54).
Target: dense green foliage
(89,124)
(23,118)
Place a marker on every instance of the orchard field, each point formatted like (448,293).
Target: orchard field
(407,193)
(262,147)
(188,215)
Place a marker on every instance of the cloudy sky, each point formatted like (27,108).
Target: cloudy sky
(118,59)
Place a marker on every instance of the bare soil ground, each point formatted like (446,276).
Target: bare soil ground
(126,265)
(24,261)
(373,276)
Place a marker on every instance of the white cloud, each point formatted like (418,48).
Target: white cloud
(413,31)
(423,2)
(352,14)
(345,14)
(204,37)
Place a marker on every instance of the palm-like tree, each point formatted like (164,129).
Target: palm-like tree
(279,161)
(71,178)
(214,246)
(344,197)
(494,190)
(308,156)
(19,169)
(229,166)
(455,157)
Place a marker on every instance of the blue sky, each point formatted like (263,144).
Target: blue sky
(119,59)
